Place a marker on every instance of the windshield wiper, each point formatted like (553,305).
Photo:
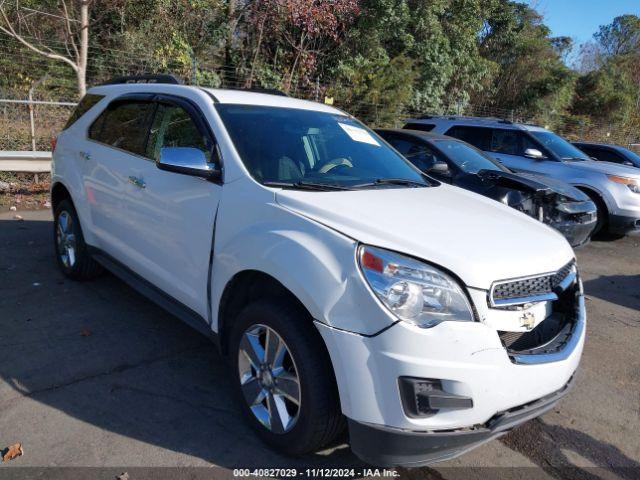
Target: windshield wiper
(302,185)
(393,181)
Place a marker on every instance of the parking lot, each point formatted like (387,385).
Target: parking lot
(94,375)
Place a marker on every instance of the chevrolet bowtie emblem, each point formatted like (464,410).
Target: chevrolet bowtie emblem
(528,320)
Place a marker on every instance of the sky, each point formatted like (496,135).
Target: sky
(580,19)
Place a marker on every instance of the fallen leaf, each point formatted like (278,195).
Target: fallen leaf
(85,333)
(12,452)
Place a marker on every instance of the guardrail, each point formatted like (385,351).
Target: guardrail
(25,162)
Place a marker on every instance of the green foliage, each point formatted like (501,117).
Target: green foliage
(620,37)
(608,93)
(376,89)
(380,59)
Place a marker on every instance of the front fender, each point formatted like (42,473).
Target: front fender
(317,264)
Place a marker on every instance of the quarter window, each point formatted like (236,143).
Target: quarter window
(123,125)
(87,102)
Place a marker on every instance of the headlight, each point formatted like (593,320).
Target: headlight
(632,183)
(412,290)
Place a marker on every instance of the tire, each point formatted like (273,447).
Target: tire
(71,252)
(603,213)
(316,420)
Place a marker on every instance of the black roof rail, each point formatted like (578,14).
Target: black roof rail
(147,78)
(268,91)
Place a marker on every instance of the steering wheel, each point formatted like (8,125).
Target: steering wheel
(336,162)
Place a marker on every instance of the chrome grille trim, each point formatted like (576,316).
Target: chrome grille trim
(532,289)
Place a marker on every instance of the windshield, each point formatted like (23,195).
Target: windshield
(467,158)
(303,148)
(559,146)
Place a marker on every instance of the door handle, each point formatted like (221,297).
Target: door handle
(137,182)
(85,155)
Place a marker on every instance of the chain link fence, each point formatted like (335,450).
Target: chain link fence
(30,125)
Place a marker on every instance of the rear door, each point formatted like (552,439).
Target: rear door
(172,215)
(114,149)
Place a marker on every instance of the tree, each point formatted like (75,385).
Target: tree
(530,74)
(72,25)
(296,34)
(620,37)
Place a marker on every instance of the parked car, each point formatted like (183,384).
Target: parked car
(604,152)
(453,161)
(342,285)
(615,189)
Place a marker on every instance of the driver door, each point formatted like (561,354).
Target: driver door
(173,229)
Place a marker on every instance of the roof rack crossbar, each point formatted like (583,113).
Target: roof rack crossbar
(148,78)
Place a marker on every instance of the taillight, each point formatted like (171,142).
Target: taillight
(54,142)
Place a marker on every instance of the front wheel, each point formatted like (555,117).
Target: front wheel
(283,377)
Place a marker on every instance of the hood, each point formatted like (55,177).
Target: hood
(477,238)
(607,168)
(514,180)
(557,186)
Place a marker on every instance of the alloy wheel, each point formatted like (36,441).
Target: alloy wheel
(269,378)
(66,239)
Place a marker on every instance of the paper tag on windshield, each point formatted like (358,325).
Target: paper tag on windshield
(359,134)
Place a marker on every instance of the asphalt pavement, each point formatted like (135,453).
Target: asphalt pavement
(94,375)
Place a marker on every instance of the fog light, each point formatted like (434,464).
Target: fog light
(422,397)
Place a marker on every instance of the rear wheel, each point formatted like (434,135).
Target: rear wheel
(283,377)
(71,252)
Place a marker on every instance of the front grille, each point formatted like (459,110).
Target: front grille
(549,336)
(531,287)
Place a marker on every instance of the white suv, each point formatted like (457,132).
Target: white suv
(343,286)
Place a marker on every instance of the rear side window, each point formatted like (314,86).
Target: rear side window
(87,102)
(423,127)
(604,155)
(479,137)
(124,125)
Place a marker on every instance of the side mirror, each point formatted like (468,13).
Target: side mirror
(440,168)
(188,161)
(533,153)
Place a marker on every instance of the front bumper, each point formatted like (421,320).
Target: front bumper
(469,360)
(386,447)
(624,225)
(576,233)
